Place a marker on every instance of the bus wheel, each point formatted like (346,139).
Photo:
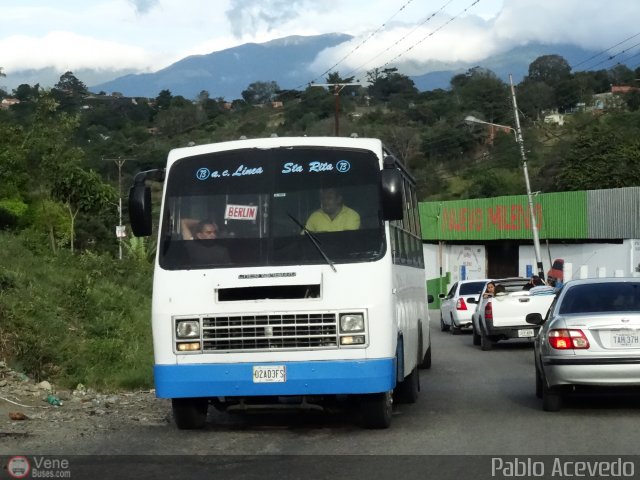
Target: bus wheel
(407,391)
(376,410)
(189,413)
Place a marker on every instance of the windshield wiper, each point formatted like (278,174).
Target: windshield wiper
(314,240)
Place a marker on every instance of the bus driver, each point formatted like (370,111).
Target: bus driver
(334,215)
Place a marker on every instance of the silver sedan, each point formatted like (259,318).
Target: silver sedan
(590,338)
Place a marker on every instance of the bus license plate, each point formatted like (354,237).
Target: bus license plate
(270,374)
(631,339)
(527,332)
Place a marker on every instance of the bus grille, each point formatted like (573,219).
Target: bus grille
(270,332)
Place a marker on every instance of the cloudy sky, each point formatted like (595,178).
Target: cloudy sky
(146,35)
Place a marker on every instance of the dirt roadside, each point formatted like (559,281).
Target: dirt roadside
(32,411)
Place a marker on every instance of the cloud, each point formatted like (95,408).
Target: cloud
(473,38)
(250,16)
(144,6)
(69,51)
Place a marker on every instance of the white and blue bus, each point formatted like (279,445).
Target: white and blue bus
(269,310)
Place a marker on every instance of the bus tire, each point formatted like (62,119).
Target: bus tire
(408,390)
(377,409)
(189,413)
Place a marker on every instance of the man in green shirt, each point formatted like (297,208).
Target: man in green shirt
(333,216)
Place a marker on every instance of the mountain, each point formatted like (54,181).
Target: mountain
(286,61)
(228,72)
(516,62)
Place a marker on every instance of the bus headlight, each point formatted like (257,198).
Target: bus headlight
(188,329)
(351,322)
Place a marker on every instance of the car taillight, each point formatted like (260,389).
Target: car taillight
(488,311)
(564,339)
(460,304)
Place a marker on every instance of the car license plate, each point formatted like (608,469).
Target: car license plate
(626,339)
(527,332)
(269,374)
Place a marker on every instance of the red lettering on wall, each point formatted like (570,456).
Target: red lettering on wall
(496,217)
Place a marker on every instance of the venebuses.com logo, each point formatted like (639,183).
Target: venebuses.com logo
(20,466)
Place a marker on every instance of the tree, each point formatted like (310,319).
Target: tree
(81,190)
(388,83)
(605,154)
(69,92)
(163,100)
(550,69)
(480,90)
(259,93)
(534,97)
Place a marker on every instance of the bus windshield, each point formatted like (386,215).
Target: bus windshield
(268,207)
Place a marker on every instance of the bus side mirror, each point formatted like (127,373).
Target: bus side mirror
(140,210)
(392,202)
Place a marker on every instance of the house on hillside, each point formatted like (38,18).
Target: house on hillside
(8,102)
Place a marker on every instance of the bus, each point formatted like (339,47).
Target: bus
(272,310)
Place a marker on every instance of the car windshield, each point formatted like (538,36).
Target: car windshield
(601,298)
(258,201)
(472,288)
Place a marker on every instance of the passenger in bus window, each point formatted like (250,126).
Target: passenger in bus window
(333,215)
(202,230)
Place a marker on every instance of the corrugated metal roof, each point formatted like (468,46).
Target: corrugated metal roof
(581,215)
(614,213)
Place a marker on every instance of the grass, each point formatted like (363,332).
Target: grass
(70,319)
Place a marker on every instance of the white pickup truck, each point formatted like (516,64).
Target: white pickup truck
(502,316)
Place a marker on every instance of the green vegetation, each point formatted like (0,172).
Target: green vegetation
(70,311)
(80,318)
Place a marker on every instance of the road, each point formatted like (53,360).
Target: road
(472,402)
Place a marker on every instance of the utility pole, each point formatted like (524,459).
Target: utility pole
(534,223)
(120,233)
(337,88)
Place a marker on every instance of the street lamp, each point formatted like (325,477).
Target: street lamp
(518,137)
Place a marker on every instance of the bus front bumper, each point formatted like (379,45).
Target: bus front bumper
(301,378)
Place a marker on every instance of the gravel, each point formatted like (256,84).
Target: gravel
(44,413)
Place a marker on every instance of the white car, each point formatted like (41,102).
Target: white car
(457,306)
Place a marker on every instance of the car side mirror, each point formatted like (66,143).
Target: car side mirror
(534,319)
(442,295)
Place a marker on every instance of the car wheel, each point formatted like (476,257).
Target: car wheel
(443,326)
(376,409)
(476,337)
(538,383)
(551,398)
(455,330)
(486,343)
(407,391)
(189,413)
(426,361)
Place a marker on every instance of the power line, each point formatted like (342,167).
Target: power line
(605,51)
(611,57)
(401,39)
(431,34)
(381,27)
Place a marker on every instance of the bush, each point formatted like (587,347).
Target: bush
(75,318)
